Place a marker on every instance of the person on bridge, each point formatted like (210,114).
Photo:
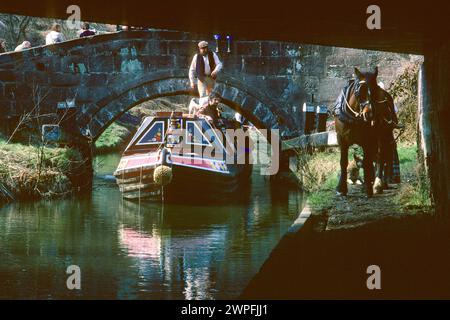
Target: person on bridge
(24,45)
(55,35)
(86,31)
(2,46)
(205,67)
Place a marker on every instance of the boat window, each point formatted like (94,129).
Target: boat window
(194,134)
(154,135)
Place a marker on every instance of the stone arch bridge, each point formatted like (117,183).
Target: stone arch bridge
(106,75)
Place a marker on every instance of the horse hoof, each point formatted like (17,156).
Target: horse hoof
(377,190)
(378,186)
(341,194)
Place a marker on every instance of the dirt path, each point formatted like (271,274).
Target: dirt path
(355,209)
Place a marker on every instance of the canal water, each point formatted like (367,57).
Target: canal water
(132,250)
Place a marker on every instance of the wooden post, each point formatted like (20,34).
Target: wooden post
(424,138)
(435,123)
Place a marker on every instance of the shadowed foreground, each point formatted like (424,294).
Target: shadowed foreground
(412,252)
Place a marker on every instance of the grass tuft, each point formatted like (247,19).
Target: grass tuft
(33,172)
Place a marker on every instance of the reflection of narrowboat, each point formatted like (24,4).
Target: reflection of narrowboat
(178,156)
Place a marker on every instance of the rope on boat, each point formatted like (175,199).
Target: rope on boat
(123,179)
(140,183)
(162,175)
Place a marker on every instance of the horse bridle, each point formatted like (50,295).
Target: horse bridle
(363,104)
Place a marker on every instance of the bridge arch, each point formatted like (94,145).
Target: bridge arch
(251,103)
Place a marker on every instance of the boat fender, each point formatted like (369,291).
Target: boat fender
(162,175)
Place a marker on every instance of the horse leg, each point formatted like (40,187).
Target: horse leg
(342,185)
(368,170)
(388,173)
(379,169)
(387,165)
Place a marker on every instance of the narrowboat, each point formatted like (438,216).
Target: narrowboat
(177,156)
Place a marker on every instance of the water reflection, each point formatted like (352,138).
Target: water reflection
(130,250)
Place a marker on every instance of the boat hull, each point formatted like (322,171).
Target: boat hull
(188,183)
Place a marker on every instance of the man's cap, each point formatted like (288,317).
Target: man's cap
(202,44)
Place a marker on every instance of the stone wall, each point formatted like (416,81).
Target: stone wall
(107,74)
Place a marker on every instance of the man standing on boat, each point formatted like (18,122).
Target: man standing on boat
(205,67)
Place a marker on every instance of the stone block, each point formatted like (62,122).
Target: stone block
(335,59)
(170,35)
(8,75)
(182,62)
(64,79)
(95,79)
(37,77)
(267,65)
(182,47)
(154,47)
(271,49)
(247,48)
(101,64)
(290,49)
(5,59)
(158,62)
(73,63)
(233,64)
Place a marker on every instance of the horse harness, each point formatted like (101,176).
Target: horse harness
(345,112)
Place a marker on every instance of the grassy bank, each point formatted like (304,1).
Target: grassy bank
(31,172)
(320,173)
(113,139)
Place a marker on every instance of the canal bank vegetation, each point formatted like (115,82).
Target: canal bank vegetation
(29,172)
(319,174)
(114,138)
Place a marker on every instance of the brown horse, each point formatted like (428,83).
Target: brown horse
(363,117)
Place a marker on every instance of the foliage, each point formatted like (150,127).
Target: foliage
(28,171)
(412,194)
(15,29)
(404,91)
(114,137)
(321,199)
